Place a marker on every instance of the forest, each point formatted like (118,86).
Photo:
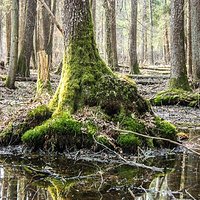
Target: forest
(99,99)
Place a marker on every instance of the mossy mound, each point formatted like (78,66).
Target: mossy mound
(12,133)
(177,97)
(113,94)
(57,134)
(92,128)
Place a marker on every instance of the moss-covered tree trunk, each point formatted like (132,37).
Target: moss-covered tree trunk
(178,78)
(82,66)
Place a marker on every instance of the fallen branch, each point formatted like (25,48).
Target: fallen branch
(159,138)
(130,163)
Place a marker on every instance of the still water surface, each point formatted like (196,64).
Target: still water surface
(38,178)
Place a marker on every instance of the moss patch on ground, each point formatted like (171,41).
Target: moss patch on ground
(56,134)
(177,97)
(12,133)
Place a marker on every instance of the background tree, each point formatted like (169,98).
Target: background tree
(133,39)
(8,33)
(27,40)
(10,81)
(195,28)
(151,32)
(111,40)
(189,40)
(166,12)
(144,32)
(178,77)
(48,29)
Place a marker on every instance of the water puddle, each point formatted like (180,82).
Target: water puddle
(58,178)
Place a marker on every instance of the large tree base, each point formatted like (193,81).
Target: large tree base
(113,103)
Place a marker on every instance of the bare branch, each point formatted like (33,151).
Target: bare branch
(51,15)
(159,138)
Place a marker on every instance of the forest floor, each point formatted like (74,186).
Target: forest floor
(14,102)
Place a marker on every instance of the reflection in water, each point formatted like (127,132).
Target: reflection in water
(42,179)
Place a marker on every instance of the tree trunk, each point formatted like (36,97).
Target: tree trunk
(166,36)
(94,5)
(48,30)
(195,24)
(144,32)
(8,34)
(151,35)
(1,30)
(43,81)
(83,70)
(111,40)
(27,42)
(10,81)
(178,78)
(22,14)
(133,39)
(189,41)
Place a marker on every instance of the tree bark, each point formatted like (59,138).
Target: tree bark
(144,32)
(43,80)
(111,40)
(195,24)
(27,41)
(151,34)
(189,38)
(10,81)
(94,5)
(166,36)
(178,78)
(1,27)
(22,17)
(8,34)
(133,39)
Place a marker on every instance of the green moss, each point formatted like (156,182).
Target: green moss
(22,66)
(40,112)
(180,83)
(129,122)
(53,130)
(149,142)
(133,124)
(165,129)
(103,139)
(135,69)
(44,87)
(128,141)
(174,97)
(91,128)
(13,132)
